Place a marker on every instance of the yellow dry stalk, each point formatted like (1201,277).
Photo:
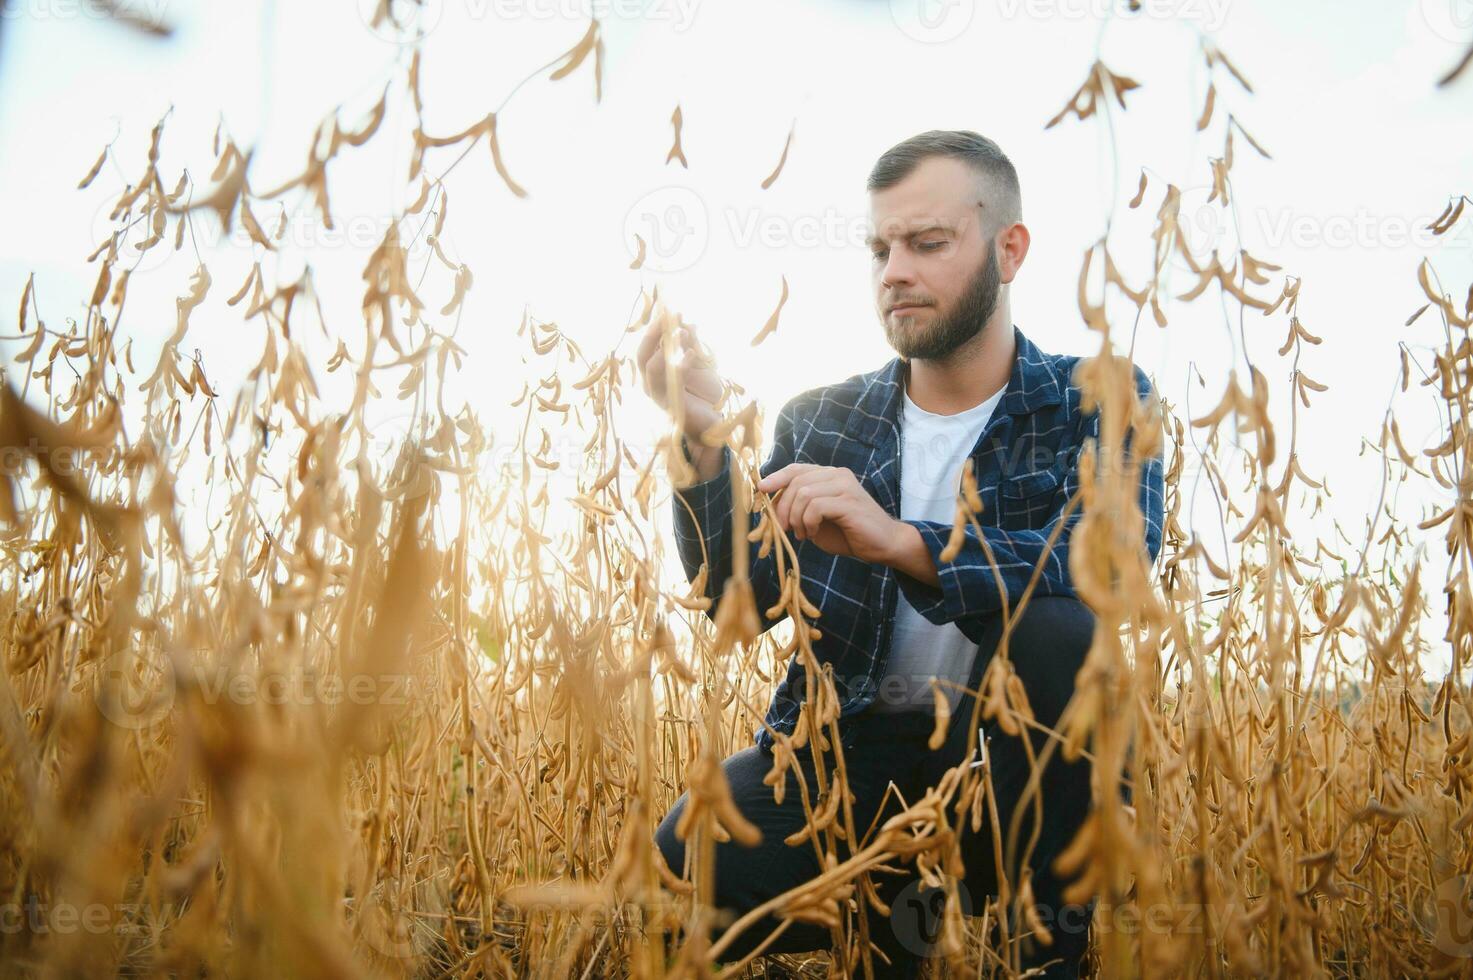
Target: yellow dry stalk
(282,700)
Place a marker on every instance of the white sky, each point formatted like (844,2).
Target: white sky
(1365,149)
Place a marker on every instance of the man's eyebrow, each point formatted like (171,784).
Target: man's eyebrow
(872,240)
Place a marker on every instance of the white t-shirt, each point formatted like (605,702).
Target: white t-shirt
(933,449)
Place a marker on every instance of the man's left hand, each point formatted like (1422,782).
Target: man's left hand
(827,505)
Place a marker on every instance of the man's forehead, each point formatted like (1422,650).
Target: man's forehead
(954,218)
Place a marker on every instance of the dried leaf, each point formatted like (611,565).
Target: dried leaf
(771,325)
(782,160)
(676,152)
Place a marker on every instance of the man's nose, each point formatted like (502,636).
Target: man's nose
(898,270)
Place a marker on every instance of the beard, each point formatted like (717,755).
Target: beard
(952,330)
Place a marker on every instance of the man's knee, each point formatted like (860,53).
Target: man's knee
(1056,620)
(672,848)
(1048,645)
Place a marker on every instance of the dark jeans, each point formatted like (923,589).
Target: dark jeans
(1047,647)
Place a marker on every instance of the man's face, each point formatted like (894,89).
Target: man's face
(935,271)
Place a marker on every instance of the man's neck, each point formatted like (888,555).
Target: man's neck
(974,373)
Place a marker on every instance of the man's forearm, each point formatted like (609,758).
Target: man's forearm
(706,460)
(910,555)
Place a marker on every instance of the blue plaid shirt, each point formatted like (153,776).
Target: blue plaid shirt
(1025,462)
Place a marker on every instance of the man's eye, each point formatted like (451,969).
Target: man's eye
(877,256)
(931,246)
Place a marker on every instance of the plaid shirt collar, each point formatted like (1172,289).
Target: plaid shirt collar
(1033,384)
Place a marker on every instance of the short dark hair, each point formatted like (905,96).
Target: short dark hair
(984,156)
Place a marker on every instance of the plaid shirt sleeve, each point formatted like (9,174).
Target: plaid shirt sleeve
(711,500)
(968,587)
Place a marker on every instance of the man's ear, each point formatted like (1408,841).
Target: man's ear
(1012,248)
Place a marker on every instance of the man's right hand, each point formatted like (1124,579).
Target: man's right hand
(697,386)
